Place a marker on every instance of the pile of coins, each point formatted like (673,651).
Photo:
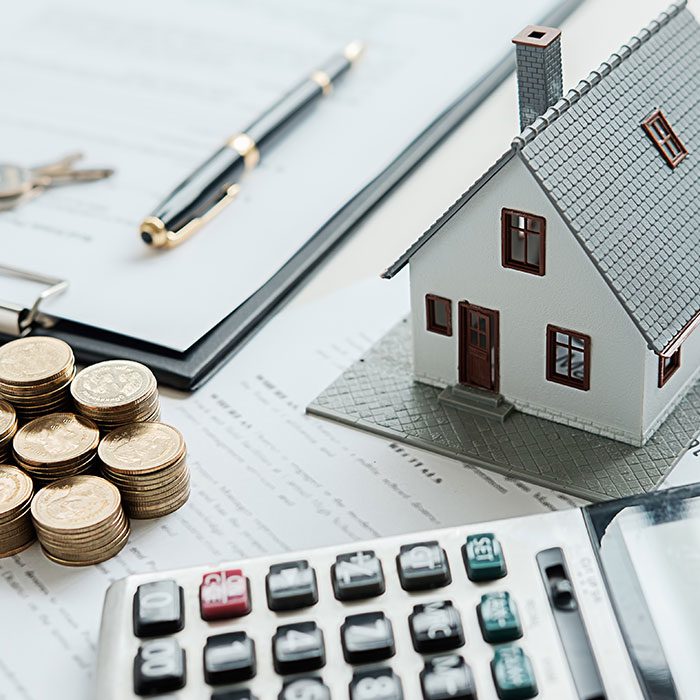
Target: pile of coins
(116,392)
(146,461)
(8,428)
(35,374)
(56,446)
(16,529)
(79,520)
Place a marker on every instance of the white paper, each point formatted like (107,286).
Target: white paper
(266,478)
(152,88)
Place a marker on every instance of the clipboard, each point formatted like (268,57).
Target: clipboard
(190,369)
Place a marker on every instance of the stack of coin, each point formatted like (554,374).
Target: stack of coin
(16,529)
(8,428)
(115,393)
(79,520)
(56,446)
(146,461)
(35,374)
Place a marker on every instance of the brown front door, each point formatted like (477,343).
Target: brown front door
(478,346)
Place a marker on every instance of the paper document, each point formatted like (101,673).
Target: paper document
(153,88)
(265,478)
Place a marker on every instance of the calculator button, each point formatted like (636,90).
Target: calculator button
(381,684)
(435,627)
(298,648)
(229,658)
(159,667)
(357,575)
(224,594)
(513,675)
(233,695)
(498,618)
(291,586)
(305,689)
(158,609)
(423,565)
(447,678)
(483,557)
(367,637)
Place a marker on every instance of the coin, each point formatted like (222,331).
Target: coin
(112,383)
(31,360)
(57,438)
(16,490)
(75,503)
(140,448)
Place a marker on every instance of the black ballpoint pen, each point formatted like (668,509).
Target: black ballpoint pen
(211,187)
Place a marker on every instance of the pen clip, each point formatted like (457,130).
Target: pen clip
(162,238)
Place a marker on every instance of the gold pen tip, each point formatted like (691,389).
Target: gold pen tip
(354,50)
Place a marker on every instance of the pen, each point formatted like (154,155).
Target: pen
(214,184)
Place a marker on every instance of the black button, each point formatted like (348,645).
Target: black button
(357,575)
(367,637)
(436,627)
(158,609)
(159,667)
(291,586)
(447,678)
(382,684)
(305,689)
(229,658)
(233,695)
(423,565)
(298,648)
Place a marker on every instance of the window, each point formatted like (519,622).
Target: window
(664,137)
(522,241)
(568,357)
(438,314)
(668,366)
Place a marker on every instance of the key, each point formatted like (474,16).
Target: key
(381,684)
(158,609)
(298,648)
(367,637)
(498,618)
(233,695)
(224,594)
(357,575)
(512,674)
(447,678)
(291,586)
(305,689)
(435,627)
(483,557)
(19,184)
(229,658)
(422,566)
(159,667)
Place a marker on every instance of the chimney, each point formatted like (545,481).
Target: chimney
(538,55)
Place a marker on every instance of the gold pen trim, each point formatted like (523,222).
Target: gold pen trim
(323,80)
(246,148)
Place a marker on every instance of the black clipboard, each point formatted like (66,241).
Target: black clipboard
(190,369)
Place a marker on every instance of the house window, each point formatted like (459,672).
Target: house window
(438,314)
(668,366)
(665,138)
(568,357)
(522,241)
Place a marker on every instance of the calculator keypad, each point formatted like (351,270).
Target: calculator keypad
(291,586)
(158,609)
(159,667)
(229,658)
(423,566)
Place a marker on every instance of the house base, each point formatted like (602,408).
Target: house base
(378,394)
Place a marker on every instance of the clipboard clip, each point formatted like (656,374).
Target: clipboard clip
(17,320)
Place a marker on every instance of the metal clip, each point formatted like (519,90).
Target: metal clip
(18,321)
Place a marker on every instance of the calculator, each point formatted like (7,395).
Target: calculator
(597,603)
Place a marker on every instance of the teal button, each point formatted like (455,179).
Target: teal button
(483,557)
(513,674)
(498,617)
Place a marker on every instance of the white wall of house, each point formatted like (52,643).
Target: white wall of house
(660,401)
(463,262)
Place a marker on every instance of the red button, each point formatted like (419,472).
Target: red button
(224,594)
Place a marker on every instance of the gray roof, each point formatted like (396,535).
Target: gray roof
(637,219)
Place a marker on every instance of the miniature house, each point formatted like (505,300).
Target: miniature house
(565,282)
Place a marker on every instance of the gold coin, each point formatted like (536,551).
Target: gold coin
(16,489)
(112,383)
(138,512)
(8,418)
(56,438)
(75,503)
(139,448)
(32,360)
(18,549)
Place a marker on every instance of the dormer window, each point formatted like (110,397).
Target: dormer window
(523,241)
(665,138)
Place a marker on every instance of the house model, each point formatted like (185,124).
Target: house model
(565,282)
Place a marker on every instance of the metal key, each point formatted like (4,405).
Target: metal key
(19,185)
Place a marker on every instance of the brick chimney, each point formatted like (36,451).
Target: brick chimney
(538,55)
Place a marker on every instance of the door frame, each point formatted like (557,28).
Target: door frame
(463,331)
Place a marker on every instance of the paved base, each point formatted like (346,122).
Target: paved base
(378,394)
